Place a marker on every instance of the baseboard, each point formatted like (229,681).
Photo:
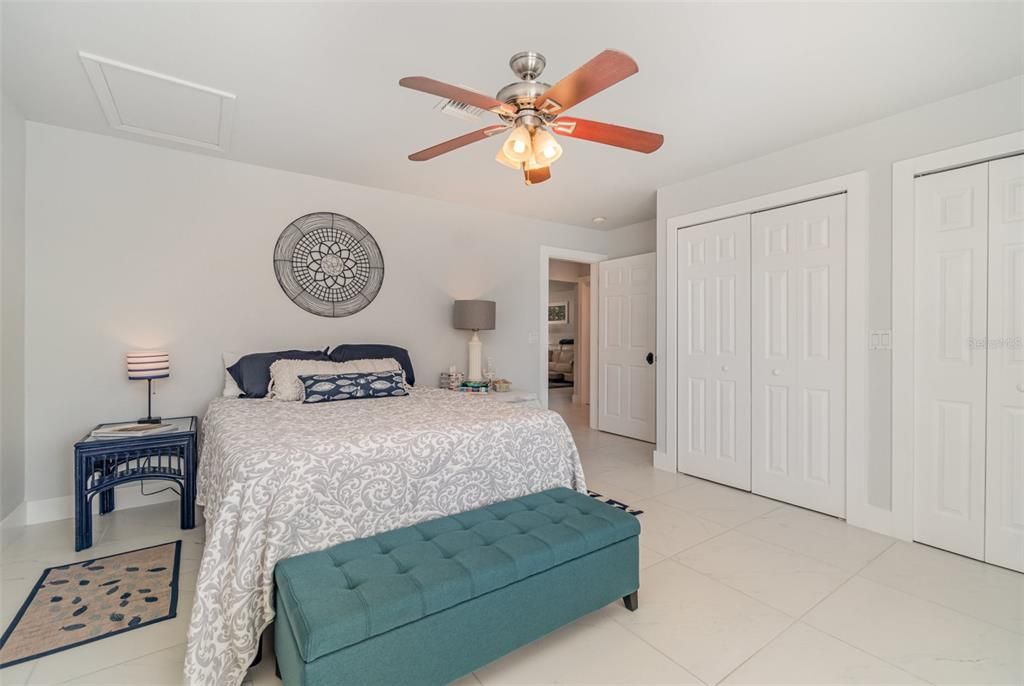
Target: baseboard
(16,517)
(663,462)
(875,519)
(53,509)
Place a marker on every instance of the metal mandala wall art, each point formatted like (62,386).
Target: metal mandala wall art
(328,264)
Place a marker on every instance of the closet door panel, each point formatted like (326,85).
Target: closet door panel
(798,340)
(950,359)
(714,351)
(1004,503)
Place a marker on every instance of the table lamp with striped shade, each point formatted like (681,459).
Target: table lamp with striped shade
(148,365)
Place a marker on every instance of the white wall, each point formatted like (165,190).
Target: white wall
(134,246)
(988,112)
(12,310)
(635,239)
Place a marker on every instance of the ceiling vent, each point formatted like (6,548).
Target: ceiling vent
(461,110)
(144,102)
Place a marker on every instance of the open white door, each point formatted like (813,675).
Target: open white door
(626,341)
(713,339)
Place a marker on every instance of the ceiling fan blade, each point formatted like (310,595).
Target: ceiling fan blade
(446,90)
(607,69)
(455,143)
(535,176)
(609,134)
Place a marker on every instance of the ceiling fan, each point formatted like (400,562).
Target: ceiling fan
(531,110)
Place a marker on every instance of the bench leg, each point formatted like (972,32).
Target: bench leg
(188,490)
(107,502)
(83,521)
(631,601)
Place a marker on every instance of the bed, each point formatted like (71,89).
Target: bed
(278,479)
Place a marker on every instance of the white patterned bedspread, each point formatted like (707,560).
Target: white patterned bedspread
(278,479)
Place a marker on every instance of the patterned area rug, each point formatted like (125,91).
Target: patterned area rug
(615,503)
(82,602)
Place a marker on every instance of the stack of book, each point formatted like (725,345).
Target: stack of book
(133,429)
(452,380)
(474,387)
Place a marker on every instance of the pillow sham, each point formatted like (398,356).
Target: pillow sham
(375,351)
(252,371)
(284,374)
(320,388)
(231,389)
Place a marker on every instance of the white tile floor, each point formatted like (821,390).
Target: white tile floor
(735,589)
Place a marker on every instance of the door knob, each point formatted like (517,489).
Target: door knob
(1020,387)
(650,358)
(776,372)
(725,367)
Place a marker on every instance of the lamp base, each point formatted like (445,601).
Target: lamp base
(149,420)
(475,356)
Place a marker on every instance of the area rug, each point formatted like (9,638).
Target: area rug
(614,503)
(81,602)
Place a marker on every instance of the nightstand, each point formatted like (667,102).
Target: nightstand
(102,464)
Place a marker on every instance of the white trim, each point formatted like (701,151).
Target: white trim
(94,70)
(858,511)
(663,460)
(903,174)
(548,253)
(595,312)
(16,517)
(63,507)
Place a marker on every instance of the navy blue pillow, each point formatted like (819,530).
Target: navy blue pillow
(252,372)
(322,388)
(375,351)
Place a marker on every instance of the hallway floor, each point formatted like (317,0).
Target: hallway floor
(735,589)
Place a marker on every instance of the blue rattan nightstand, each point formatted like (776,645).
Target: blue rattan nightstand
(101,464)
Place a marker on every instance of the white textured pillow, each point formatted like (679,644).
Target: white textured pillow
(284,374)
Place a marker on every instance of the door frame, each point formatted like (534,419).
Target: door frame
(903,258)
(858,511)
(547,253)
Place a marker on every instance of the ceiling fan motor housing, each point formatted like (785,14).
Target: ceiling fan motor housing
(523,94)
(527,65)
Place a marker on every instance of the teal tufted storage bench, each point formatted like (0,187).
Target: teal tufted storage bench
(430,603)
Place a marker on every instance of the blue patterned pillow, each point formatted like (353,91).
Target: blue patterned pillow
(321,388)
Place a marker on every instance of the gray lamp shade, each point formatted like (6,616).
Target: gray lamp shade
(474,315)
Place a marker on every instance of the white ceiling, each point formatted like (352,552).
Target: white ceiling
(317,91)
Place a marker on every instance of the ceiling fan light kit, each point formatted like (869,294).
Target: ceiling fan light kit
(531,110)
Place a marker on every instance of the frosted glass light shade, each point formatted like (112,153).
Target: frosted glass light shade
(502,158)
(534,163)
(148,364)
(545,148)
(517,147)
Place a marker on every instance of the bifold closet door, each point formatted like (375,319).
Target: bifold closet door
(798,340)
(1004,502)
(951,245)
(713,339)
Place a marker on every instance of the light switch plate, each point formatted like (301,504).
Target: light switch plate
(880,339)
